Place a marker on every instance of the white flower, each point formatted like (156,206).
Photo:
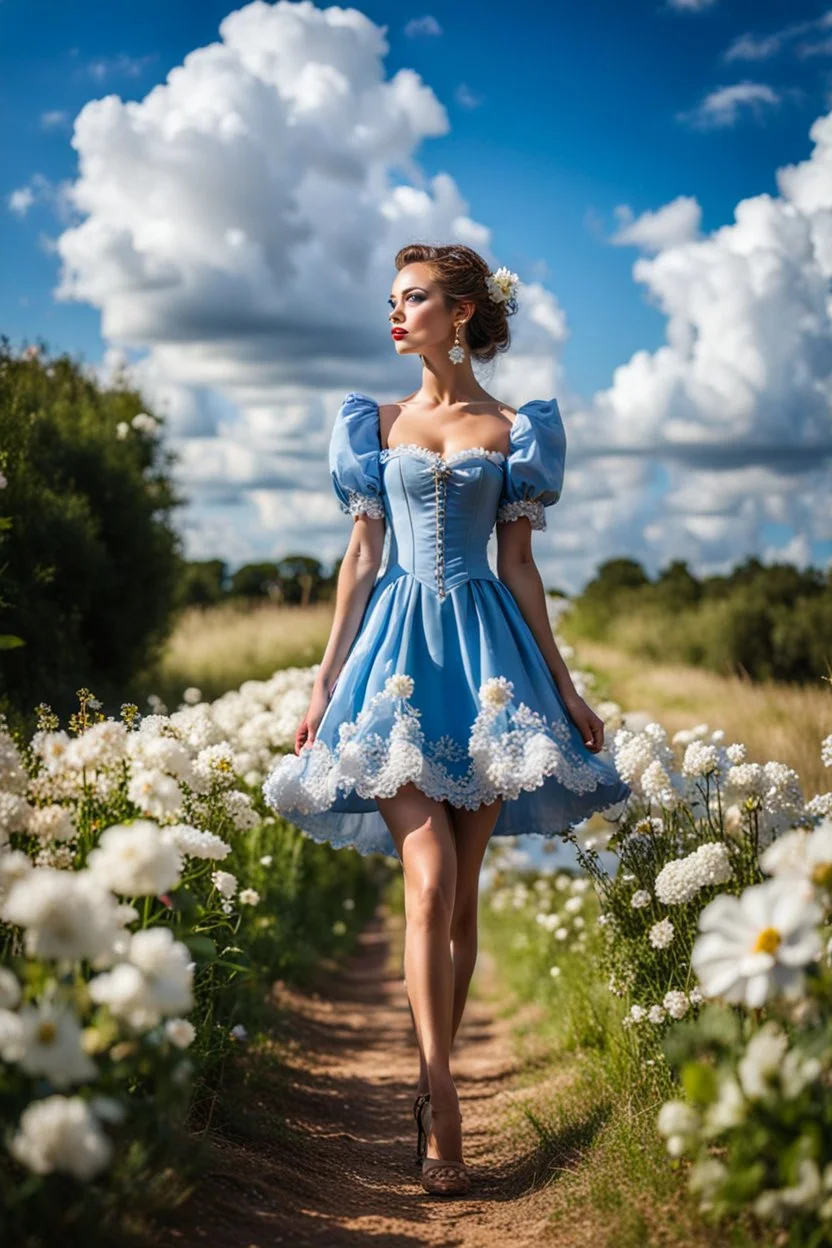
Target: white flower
(801,855)
(61,1133)
(136,859)
(554,971)
(224,882)
(400,685)
(155,752)
(192,695)
(562,933)
(248,897)
(240,809)
(681,879)
(637,1013)
(51,823)
(266,860)
(640,898)
(155,980)
(695,996)
(761,1060)
(52,1044)
(656,783)
(755,945)
(700,759)
(728,1110)
(705,1178)
(155,793)
(100,746)
(66,914)
(15,813)
(144,423)
(656,1014)
(195,843)
(11,1036)
(573,904)
(496,692)
(14,865)
(9,989)
(826,751)
(122,430)
(676,1003)
(502,284)
(661,934)
(678,1122)
(180,1031)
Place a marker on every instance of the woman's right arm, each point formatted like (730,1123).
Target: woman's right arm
(356,578)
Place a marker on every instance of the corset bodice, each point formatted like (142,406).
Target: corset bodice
(441,513)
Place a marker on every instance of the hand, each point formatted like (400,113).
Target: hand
(590,724)
(308,726)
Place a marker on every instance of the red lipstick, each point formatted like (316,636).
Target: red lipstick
(397,332)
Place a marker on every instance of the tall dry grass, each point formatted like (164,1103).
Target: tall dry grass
(217,648)
(775,721)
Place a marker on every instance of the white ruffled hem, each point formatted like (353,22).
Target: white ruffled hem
(511,749)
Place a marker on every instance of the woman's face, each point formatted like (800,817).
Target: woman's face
(417,307)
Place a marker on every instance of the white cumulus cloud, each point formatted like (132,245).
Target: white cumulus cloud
(236,227)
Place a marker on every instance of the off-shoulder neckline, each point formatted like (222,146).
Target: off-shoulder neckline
(465,450)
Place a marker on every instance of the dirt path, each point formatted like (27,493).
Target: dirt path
(318,1145)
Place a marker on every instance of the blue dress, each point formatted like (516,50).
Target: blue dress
(444,684)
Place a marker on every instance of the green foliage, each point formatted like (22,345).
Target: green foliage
(88,556)
(201,583)
(767,621)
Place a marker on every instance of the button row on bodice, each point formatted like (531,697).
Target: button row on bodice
(441,473)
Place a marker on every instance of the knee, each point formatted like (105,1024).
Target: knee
(464,919)
(429,905)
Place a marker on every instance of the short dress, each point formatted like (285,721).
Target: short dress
(444,684)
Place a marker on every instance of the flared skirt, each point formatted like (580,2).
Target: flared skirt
(454,695)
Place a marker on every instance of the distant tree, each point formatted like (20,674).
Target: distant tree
(201,582)
(676,587)
(300,577)
(254,580)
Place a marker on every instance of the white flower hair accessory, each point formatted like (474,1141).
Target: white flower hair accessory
(502,285)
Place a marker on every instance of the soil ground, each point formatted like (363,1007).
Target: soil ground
(315,1140)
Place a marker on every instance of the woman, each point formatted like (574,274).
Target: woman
(442,712)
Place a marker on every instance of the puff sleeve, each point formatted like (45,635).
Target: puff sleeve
(533,476)
(354,450)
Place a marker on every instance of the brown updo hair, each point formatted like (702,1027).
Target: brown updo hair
(460,273)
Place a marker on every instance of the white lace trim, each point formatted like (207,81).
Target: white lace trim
(363,504)
(511,749)
(433,457)
(531,507)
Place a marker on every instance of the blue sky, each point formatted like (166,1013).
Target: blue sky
(557,117)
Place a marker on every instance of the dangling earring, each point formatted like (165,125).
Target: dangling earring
(457,351)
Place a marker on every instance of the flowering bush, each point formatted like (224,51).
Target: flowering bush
(688,844)
(716,911)
(127,948)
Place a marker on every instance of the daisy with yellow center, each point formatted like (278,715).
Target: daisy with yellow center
(755,946)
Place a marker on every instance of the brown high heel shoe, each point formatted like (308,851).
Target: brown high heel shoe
(441,1177)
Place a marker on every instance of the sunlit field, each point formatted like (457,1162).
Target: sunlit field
(773,720)
(217,648)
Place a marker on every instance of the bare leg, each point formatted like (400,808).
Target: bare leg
(424,840)
(472,832)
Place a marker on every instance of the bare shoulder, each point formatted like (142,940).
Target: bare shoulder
(388,414)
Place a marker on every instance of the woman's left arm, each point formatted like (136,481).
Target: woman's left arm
(518,571)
